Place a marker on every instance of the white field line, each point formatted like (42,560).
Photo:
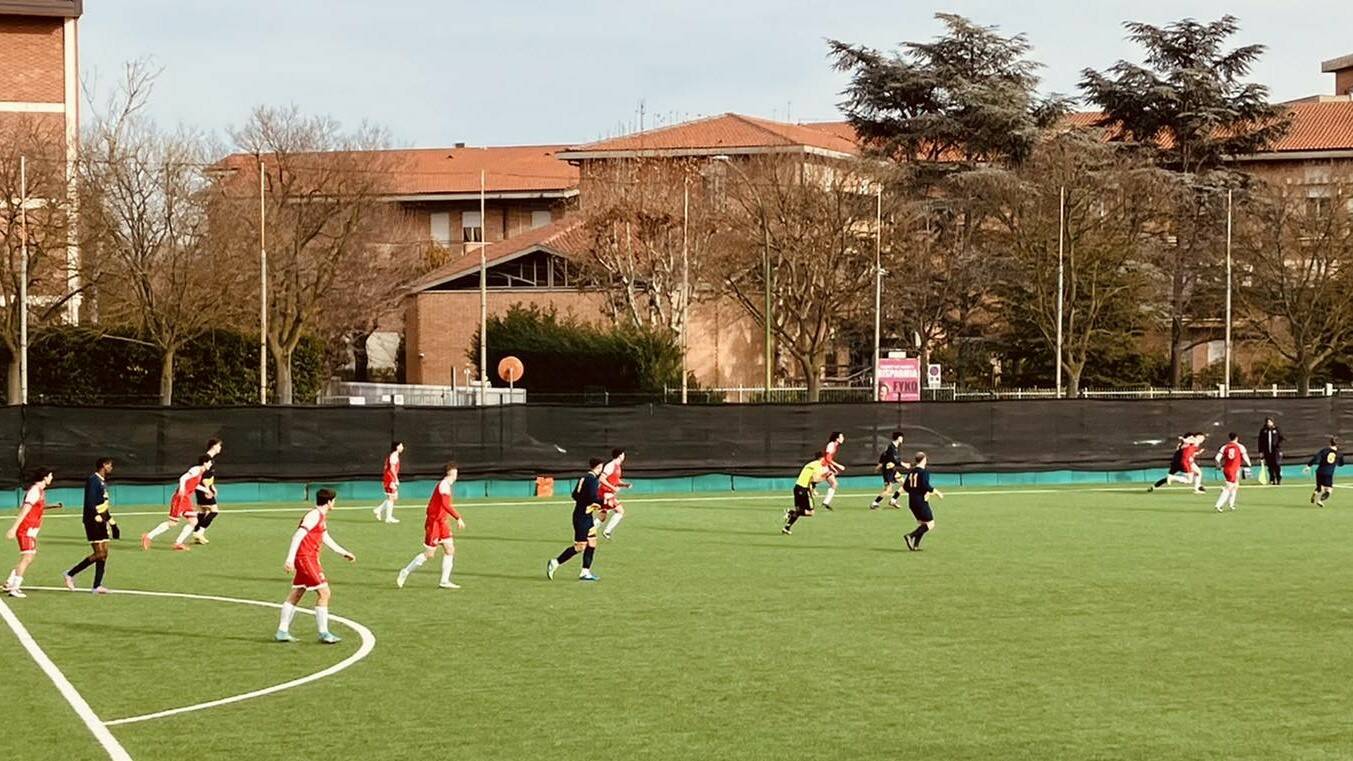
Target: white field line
(948,492)
(98,727)
(368,644)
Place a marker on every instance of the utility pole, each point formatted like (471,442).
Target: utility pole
(1226,391)
(1061,279)
(483,291)
(262,284)
(23,280)
(685,282)
(878,284)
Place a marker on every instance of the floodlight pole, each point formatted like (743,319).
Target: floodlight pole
(23,280)
(685,282)
(262,284)
(878,283)
(1061,278)
(1226,390)
(483,292)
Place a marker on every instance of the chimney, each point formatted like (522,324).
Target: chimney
(1342,69)
(459,145)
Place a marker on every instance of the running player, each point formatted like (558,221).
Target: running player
(437,531)
(1193,448)
(612,481)
(205,494)
(892,469)
(814,472)
(1233,460)
(26,527)
(100,527)
(390,482)
(918,488)
(181,506)
(586,503)
(829,453)
(1325,462)
(307,573)
(1178,474)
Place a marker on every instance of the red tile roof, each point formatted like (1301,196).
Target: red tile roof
(564,237)
(1316,126)
(725,132)
(445,171)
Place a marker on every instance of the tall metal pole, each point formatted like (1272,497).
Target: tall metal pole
(685,282)
(878,284)
(23,280)
(483,292)
(770,351)
(262,285)
(1226,390)
(1061,277)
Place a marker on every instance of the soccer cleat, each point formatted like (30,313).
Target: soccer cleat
(449,585)
(17,593)
(377,512)
(99,590)
(200,537)
(589,576)
(1220,508)
(550,568)
(827,507)
(1313,498)
(69,581)
(392,519)
(786,530)
(145,541)
(874,505)
(892,505)
(283,636)
(1233,507)
(401,578)
(606,535)
(181,547)
(911,541)
(326,638)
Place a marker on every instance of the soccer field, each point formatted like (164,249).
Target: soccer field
(1054,623)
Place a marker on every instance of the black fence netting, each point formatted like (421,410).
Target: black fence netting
(333,443)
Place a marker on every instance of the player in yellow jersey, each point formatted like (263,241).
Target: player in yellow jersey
(813,473)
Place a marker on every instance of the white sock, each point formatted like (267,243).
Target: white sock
(322,618)
(447,562)
(288,613)
(831,492)
(185,533)
(15,581)
(584,572)
(1222,499)
(160,529)
(613,522)
(1232,498)
(9,580)
(415,564)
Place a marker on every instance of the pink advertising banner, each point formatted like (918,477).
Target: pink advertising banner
(899,380)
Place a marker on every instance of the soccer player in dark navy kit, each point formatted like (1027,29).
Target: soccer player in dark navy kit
(1325,462)
(918,488)
(100,527)
(586,503)
(893,470)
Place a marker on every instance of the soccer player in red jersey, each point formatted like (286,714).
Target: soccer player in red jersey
(612,481)
(437,531)
(390,482)
(829,453)
(1233,460)
(181,506)
(1193,446)
(26,527)
(307,574)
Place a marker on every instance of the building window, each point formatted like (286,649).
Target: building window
(441,227)
(472,227)
(541,218)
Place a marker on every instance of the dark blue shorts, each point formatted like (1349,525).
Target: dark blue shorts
(922,511)
(1324,481)
(584,527)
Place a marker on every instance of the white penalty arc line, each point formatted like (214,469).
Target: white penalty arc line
(98,727)
(368,644)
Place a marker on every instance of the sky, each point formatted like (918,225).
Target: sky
(509,72)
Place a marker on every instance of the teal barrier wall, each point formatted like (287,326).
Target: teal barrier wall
(415,492)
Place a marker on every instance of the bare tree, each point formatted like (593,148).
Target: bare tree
(1112,208)
(814,222)
(327,224)
(145,200)
(1297,291)
(40,216)
(637,217)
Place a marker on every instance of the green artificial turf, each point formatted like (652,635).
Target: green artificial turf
(1044,624)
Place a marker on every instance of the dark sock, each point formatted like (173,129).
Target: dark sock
(1162,482)
(98,572)
(565,555)
(793,516)
(587,556)
(897,494)
(205,521)
(878,500)
(920,532)
(80,566)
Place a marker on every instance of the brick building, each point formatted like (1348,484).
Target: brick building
(40,89)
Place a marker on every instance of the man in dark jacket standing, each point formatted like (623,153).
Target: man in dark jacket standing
(1271,449)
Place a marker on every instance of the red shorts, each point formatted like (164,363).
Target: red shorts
(181,506)
(1231,478)
(309,574)
(610,501)
(435,530)
(390,486)
(28,541)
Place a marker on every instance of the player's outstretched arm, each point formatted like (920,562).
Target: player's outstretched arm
(338,548)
